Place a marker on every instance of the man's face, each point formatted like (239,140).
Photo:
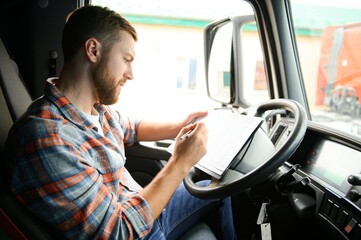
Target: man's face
(114,69)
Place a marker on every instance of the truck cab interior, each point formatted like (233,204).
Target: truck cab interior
(297,177)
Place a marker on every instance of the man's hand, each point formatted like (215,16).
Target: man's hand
(193,116)
(187,152)
(191,149)
(150,130)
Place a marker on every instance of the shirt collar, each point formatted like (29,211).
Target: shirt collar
(69,110)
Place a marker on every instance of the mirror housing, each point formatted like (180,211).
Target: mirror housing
(223,66)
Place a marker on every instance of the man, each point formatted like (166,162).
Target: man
(66,152)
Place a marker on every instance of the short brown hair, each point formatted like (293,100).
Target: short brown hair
(93,21)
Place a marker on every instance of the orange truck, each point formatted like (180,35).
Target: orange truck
(339,73)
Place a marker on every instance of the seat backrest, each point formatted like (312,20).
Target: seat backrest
(16,95)
(16,222)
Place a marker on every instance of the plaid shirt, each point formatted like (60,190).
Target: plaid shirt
(71,176)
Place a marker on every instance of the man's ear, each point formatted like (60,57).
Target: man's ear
(92,49)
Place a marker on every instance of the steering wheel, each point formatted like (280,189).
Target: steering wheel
(267,150)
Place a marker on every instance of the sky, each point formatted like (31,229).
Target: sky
(196,8)
(193,9)
(336,3)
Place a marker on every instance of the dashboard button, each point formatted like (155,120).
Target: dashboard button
(334,211)
(350,225)
(328,207)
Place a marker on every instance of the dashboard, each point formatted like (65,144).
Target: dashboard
(332,163)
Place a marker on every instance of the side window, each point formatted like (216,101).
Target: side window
(328,43)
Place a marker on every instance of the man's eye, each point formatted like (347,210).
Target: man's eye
(126,60)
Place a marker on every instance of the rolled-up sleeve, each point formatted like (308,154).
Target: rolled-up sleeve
(129,127)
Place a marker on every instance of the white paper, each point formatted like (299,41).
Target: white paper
(227,134)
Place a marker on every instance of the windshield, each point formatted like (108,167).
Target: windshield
(328,35)
(169,61)
(169,65)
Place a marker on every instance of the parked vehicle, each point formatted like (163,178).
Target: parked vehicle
(298,177)
(339,71)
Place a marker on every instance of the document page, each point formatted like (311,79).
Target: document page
(227,134)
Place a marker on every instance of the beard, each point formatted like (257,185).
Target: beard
(106,86)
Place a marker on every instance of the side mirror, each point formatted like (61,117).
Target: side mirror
(222,64)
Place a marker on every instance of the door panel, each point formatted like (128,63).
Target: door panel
(145,159)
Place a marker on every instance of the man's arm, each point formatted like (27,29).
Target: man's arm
(186,153)
(152,131)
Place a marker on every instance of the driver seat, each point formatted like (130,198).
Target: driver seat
(16,222)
